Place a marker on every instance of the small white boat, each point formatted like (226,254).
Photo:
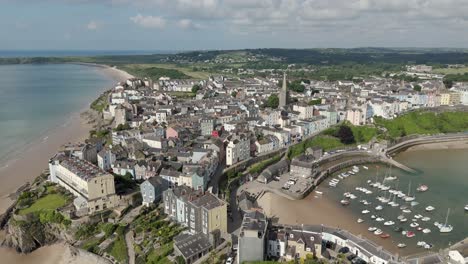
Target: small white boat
(430,208)
(389,223)
(422,188)
(426,230)
(352,196)
(414,224)
(446,228)
(360,220)
(400,217)
(318,192)
(418,216)
(414,203)
(380,219)
(373,217)
(437,224)
(390,178)
(425,219)
(372,229)
(466,207)
(345,202)
(421,243)
(378,232)
(401,245)
(406,211)
(379,208)
(365,167)
(428,246)
(403,220)
(365,211)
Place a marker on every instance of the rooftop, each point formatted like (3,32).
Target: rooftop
(81,168)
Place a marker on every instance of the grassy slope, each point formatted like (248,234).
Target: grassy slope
(49,202)
(425,123)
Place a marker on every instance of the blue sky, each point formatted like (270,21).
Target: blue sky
(230,24)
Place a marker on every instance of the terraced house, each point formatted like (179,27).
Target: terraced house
(94,188)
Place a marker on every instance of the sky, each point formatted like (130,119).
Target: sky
(230,24)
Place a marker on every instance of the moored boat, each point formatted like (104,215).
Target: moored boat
(422,188)
(446,228)
(426,230)
(421,243)
(365,211)
(466,207)
(389,223)
(430,208)
(414,224)
(360,220)
(372,229)
(401,245)
(380,219)
(378,232)
(385,235)
(345,202)
(410,234)
(425,219)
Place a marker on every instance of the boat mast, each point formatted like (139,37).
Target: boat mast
(446,219)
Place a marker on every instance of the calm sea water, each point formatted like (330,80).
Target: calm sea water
(37,98)
(445,173)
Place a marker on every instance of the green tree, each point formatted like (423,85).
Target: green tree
(417,87)
(315,102)
(233,93)
(345,134)
(196,88)
(273,101)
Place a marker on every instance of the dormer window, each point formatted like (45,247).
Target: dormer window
(291,236)
(312,238)
(308,249)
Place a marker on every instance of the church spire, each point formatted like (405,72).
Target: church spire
(283,95)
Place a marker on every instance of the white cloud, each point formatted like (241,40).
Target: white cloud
(149,21)
(188,24)
(92,25)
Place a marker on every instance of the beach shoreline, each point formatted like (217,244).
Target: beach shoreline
(28,164)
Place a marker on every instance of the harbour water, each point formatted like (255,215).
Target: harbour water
(443,171)
(37,98)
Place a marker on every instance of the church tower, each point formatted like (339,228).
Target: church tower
(283,95)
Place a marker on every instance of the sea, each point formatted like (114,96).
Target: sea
(35,99)
(77,53)
(443,171)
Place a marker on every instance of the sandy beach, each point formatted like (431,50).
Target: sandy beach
(57,254)
(29,164)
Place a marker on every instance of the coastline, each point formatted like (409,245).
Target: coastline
(27,165)
(305,213)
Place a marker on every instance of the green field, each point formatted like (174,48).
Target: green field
(118,249)
(48,202)
(451,71)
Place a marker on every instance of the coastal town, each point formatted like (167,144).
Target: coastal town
(175,169)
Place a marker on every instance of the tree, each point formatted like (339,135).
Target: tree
(315,102)
(345,134)
(196,88)
(233,93)
(417,87)
(273,101)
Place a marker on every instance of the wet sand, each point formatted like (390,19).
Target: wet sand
(319,209)
(462,144)
(30,163)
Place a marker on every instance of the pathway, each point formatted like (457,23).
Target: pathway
(130,250)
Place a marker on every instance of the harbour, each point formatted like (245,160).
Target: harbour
(416,212)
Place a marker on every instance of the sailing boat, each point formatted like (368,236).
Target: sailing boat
(446,228)
(388,175)
(409,198)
